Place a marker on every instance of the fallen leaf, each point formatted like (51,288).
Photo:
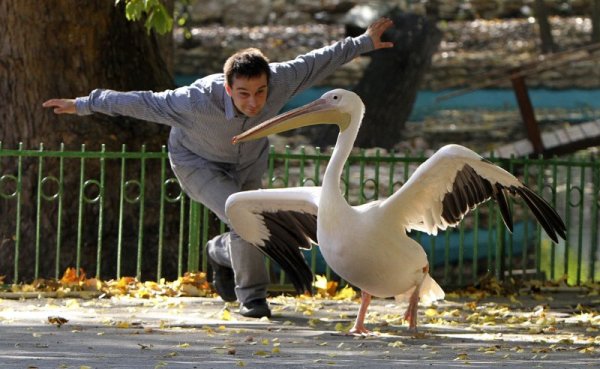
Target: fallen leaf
(462,356)
(71,276)
(347,293)
(122,324)
(57,320)
(396,344)
(225,314)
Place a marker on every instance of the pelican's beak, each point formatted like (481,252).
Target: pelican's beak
(320,111)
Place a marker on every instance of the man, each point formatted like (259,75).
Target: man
(204,117)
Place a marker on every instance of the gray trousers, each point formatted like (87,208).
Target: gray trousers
(211,184)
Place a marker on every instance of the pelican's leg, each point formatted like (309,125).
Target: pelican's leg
(359,324)
(413,304)
(411,311)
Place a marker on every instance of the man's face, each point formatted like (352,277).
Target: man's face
(249,95)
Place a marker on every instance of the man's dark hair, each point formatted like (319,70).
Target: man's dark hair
(248,63)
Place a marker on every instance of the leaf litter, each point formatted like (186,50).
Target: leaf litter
(505,318)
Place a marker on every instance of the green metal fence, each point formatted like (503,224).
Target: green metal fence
(116,213)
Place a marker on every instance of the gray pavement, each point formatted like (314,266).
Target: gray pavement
(549,330)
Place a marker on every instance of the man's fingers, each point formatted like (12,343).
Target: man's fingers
(60,106)
(49,103)
(383,24)
(376,30)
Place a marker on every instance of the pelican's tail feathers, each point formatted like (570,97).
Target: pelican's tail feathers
(430,291)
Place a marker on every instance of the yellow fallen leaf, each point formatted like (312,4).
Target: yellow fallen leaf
(313,322)
(587,350)
(396,344)
(340,327)
(225,314)
(346,293)
(462,356)
(431,312)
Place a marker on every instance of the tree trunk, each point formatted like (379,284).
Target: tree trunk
(595,21)
(65,48)
(390,83)
(541,17)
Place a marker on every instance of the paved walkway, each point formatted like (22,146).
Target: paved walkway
(558,330)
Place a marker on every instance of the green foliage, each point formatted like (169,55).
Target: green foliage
(182,15)
(157,16)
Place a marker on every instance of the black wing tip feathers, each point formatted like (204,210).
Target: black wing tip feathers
(470,189)
(544,213)
(291,231)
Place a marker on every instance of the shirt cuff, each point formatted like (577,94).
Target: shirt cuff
(365,43)
(82,106)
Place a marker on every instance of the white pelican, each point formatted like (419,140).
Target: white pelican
(368,245)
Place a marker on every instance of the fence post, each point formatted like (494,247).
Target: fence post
(194,237)
(18,215)
(38,213)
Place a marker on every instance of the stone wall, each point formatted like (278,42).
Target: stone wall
(475,42)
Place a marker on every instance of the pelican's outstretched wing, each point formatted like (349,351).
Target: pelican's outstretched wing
(453,182)
(279,222)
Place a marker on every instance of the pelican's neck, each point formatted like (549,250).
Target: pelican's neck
(341,152)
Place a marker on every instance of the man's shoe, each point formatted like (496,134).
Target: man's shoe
(255,309)
(223,280)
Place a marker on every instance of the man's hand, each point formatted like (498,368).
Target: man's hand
(376,29)
(61,106)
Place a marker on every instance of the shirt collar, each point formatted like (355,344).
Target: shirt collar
(230,110)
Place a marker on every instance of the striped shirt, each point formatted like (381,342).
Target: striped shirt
(202,116)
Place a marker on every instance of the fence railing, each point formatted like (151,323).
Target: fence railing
(117,213)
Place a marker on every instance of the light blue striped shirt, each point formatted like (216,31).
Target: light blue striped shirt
(202,115)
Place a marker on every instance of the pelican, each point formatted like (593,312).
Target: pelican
(368,245)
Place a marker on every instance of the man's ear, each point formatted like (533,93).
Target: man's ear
(227,89)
